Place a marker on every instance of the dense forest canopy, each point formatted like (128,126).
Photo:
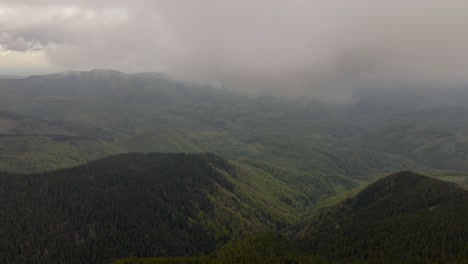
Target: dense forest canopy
(402,218)
(142,205)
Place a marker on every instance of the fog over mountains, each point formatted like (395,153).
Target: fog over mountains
(323,49)
(247,131)
(285,165)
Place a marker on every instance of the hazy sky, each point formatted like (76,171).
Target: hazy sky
(316,46)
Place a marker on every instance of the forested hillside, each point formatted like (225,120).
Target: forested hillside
(142,205)
(258,247)
(30,144)
(402,218)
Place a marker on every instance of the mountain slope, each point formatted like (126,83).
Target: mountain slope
(258,247)
(29,144)
(404,216)
(141,205)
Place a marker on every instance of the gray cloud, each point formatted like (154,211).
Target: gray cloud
(12,43)
(318,47)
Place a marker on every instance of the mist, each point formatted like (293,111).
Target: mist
(323,49)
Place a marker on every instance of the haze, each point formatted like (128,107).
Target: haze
(318,48)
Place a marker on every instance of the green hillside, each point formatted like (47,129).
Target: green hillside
(257,247)
(402,218)
(29,144)
(160,141)
(142,205)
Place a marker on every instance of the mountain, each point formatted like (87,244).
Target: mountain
(97,74)
(143,205)
(10,77)
(112,112)
(402,218)
(150,112)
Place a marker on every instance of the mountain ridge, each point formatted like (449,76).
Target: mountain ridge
(402,216)
(102,74)
(140,204)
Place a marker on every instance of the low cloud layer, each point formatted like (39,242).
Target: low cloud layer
(321,48)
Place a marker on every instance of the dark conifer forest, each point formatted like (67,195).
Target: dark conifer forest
(402,218)
(126,205)
(167,205)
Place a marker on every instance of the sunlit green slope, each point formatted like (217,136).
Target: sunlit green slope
(402,218)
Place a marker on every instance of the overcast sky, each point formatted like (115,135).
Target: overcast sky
(318,46)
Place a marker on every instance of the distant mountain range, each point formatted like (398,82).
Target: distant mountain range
(98,74)
(380,133)
(11,77)
(285,182)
